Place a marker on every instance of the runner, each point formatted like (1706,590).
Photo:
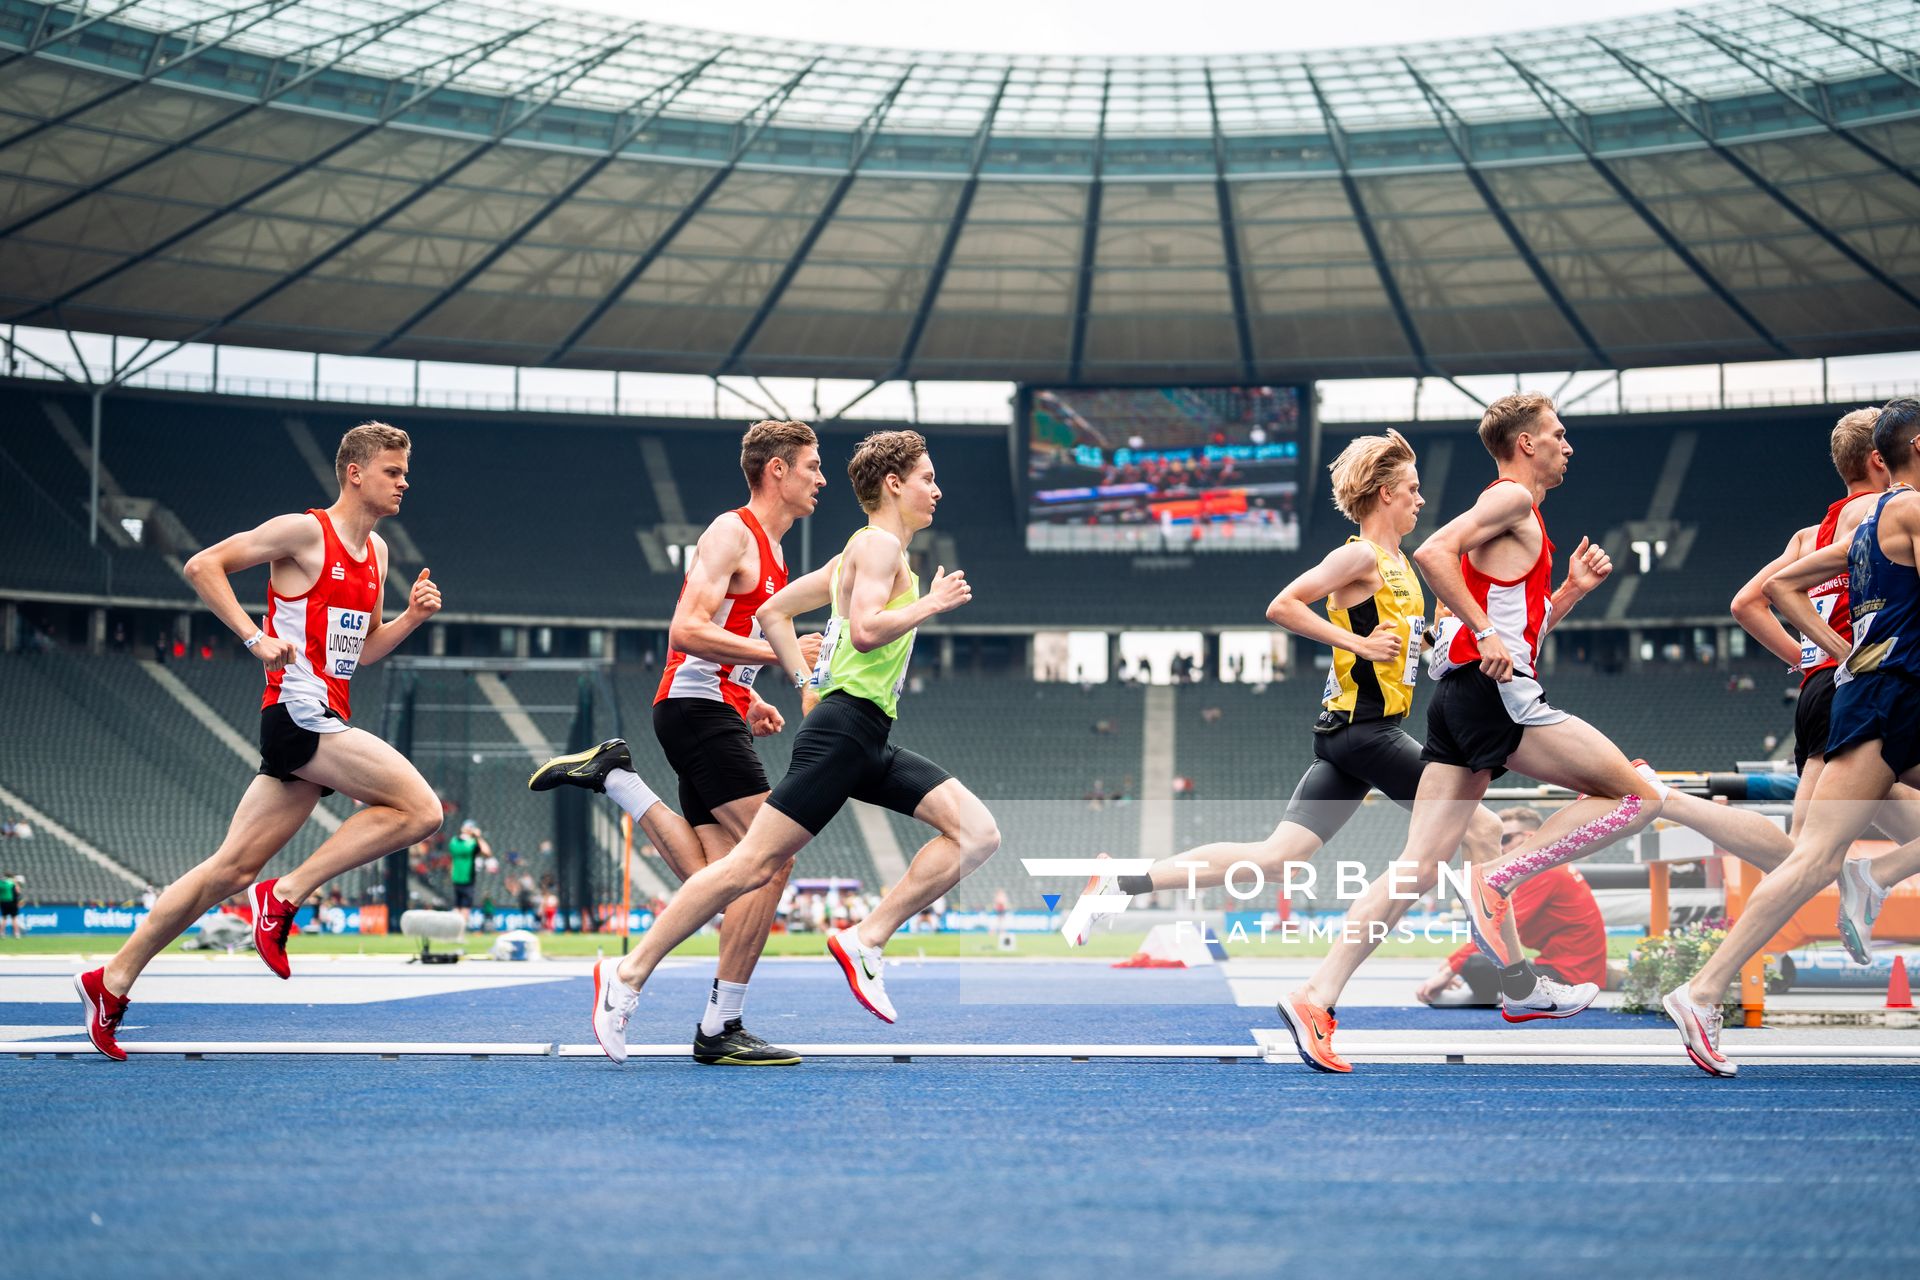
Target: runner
(1865,474)
(706,716)
(842,751)
(1874,739)
(1491,567)
(323,622)
(1375,619)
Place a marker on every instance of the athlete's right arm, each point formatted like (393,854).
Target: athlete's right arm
(1344,566)
(1751,611)
(1499,509)
(801,596)
(1787,588)
(722,549)
(281,538)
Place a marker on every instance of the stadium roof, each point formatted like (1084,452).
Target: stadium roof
(499,182)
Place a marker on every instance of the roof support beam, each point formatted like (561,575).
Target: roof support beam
(42,37)
(350,41)
(456,63)
(1817,106)
(665,93)
(749,129)
(1337,137)
(1577,127)
(155,66)
(1230,236)
(1462,142)
(1865,45)
(659,97)
(864,135)
(1662,87)
(955,225)
(1089,239)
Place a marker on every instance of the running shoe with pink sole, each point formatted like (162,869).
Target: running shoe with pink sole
(1699,1032)
(1486,908)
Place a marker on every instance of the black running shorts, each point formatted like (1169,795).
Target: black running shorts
(842,754)
(1350,760)
(1811,716)
(1470,723)
(711,751)
(286,745)
(1882,706)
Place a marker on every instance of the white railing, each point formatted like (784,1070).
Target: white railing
(1456,409)
(432,397)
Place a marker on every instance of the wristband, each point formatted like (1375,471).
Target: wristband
(1486,631)
(254,639)
(801,679)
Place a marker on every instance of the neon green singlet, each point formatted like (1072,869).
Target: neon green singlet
(877,675)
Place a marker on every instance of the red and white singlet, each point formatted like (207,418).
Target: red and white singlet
(1519,608)
(1830,599)
(689,677)
(327,625)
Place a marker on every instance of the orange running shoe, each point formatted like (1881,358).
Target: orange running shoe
(1312,1028)
(1486,908)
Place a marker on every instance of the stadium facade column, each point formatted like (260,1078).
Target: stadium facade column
(9,626)
(946,653)
(1635,637)
(96,630)
(437,641)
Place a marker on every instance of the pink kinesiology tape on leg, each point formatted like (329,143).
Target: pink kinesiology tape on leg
(1568,847)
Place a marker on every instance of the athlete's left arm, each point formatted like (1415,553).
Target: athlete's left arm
(1586,569)
(1788,591)
(423,601)
(803,595)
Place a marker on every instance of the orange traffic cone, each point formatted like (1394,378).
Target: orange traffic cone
(1899,994)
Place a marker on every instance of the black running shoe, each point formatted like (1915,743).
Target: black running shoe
(736,1046)
(587,769)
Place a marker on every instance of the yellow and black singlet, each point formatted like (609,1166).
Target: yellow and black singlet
(1361,690)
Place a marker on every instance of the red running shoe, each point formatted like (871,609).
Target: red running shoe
(104,1011)
(272,922)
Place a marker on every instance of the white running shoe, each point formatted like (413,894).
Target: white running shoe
(1549,999)
(1860,899)
(1699,1032)
(1099,884)
(864,967)
(613,1003)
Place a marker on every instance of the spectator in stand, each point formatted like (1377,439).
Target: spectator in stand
(1557,918)
(549,903)
(527,901)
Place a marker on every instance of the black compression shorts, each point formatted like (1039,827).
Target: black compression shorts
(286,745)
(841,754)
(1474,722)
(1812,715)
(711,751)
(1350,760)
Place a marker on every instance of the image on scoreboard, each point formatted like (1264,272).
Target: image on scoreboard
(1147,469)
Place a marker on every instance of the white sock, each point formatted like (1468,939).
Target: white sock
(1653,780)
(630,793)
(724,1003)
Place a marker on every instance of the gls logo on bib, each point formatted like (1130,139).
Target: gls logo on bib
(346,635)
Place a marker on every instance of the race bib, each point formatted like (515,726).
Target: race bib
(1410,672)
(744,674)
(346,636)
(1811,654)
(824,663)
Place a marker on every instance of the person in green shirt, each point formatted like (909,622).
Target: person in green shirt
(12,888)
(842,751)
(465,850)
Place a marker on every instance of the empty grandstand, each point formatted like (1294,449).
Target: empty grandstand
(1170,255)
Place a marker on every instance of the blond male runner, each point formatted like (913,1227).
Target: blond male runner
(842,751)
(1873,740)
(1374,623)
(323,622)
(706,715)
(1864,472)
(1492,567)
